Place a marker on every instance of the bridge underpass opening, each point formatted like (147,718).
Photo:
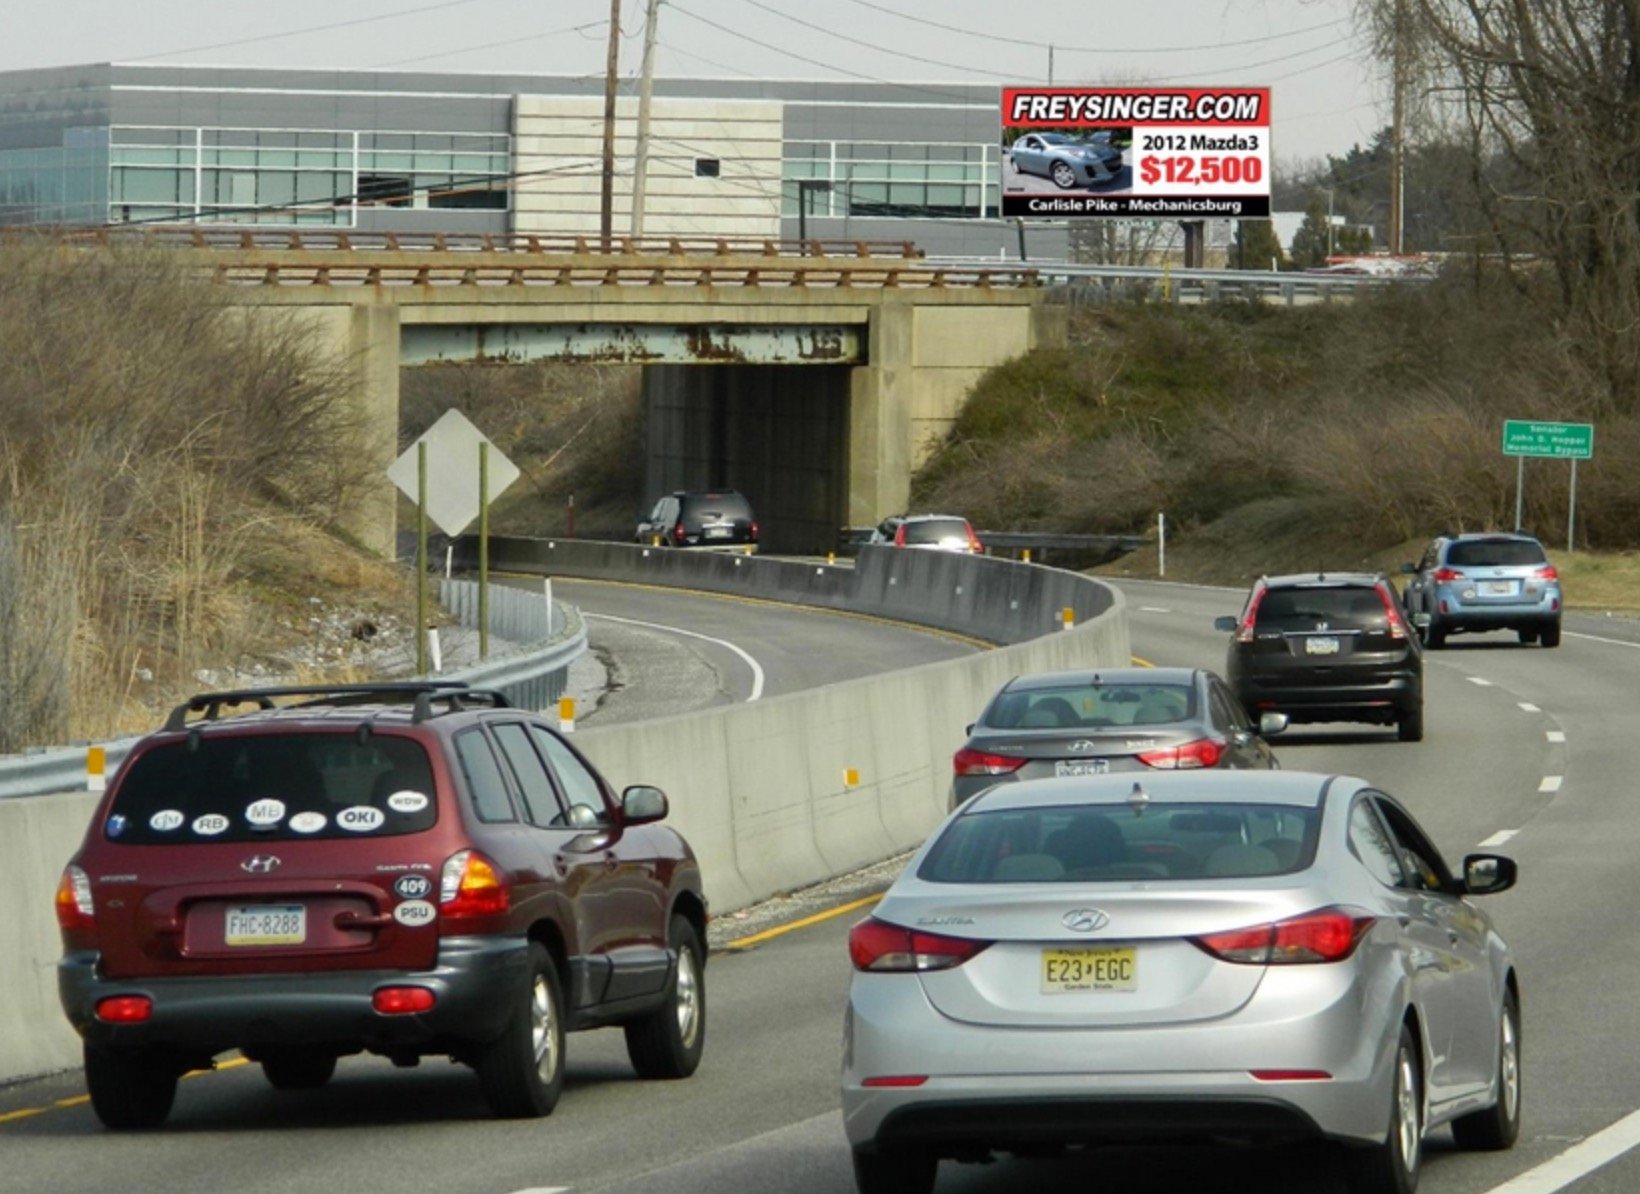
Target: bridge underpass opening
(777,433)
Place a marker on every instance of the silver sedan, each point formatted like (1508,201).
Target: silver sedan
(1256,956)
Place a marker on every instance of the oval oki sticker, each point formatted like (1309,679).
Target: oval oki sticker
(211,824)
(308,822)
(412,887)
(166,820)
(266,812)
(361,818)
(415,912)
(407,802)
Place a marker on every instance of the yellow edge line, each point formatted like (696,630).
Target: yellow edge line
(817,918)
(8,1116)
(1142,662)
(76,1101)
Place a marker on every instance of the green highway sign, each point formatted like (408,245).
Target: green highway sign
(1561,441)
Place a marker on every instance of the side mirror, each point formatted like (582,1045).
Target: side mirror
(1226,623)
(969,728)
(1410,569)
(1272,723)
(642,804)
(1488,874)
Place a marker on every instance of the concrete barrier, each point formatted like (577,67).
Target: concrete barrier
(758,789)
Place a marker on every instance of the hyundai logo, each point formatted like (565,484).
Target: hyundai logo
(1084,920)
(1081,746)
(259,864)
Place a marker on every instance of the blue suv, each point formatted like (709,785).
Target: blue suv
(1483,582)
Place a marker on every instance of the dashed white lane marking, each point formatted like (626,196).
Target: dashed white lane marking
(1555,735)
(1529,707)
(1498,838)
(1478,680)
(757,672)
(1153,609)
(1550,783)
(1578,1161)
(545,1190)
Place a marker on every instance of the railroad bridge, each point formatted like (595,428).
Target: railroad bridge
(813,375)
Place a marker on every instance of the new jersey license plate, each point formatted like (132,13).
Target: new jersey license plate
(1096,968)
(266,924)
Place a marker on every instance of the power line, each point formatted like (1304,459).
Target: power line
(491,45)
(875,46)
(246,41)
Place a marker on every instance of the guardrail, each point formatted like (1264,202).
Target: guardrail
(1081,284)
(532,676)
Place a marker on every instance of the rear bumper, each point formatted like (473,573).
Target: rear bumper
(1306,698)
(1451,613)
(473,982)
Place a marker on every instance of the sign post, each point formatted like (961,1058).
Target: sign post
(1553,441)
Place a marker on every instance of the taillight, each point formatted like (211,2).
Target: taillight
(977,762)
(1326,935)
(1244,632)
(974,545)
(1444,575)
(469,886)
(402,1001)
(1392,613)
(677,533)
(899,536)
(75,911)
(1547,572)
(754,531)
(1203,752)
(880,947)
(125,1009)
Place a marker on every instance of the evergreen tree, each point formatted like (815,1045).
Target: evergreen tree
(1255,246)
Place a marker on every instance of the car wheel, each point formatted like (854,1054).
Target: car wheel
(522,1070)
(1409,727)
(894,1172)
(1550,635)
(129,1089)
(1063,176)
(668,1043)
(1392,1167)
(1434,635)
(1498,1126)
(297,1069)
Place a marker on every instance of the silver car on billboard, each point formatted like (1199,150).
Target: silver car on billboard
(1209,956)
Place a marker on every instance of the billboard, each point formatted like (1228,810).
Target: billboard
(1179,153)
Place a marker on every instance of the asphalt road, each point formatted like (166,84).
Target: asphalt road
(1523,742)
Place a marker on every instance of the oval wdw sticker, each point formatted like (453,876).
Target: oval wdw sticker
(361,818)
(166,820)
(415,912)
(308,822)
(266,812)
(407,802)
(211,824)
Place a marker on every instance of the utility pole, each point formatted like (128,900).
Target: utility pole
(1397,124)
(1050,65)
(606,206)
(646,86)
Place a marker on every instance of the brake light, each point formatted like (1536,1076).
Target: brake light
(402,1001)
(75,911)
(1244,632)
(1547,572)
(470,886)
(977,762)
(1203,752)
(125,1009)
(1392,613)
(880,947)
(974,545)
(896,1080)
(1444,575)
(1325,935)
(899,535)
(677,533)
(754,531)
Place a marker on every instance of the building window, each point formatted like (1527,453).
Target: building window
(706,167)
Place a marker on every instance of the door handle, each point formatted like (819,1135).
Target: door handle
(353,920)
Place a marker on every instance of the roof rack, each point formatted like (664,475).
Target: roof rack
(422,694)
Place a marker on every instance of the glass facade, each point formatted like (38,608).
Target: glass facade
(294,177)
(906,179)
(66,184)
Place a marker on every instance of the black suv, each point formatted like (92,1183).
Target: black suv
(406,869)
(715,518)
(1327,647)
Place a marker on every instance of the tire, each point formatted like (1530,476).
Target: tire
(1527,637)
(668,1042)
(1063,176)
(1409,727)
(1392,1167)
(1498,1126)
(1435,635)
(897,1172)
(1549,636)
(129,1089)
(522,1070)
(297,1069)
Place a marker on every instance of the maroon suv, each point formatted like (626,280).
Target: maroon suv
(408,869)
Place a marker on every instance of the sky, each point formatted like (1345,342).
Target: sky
(1328,95)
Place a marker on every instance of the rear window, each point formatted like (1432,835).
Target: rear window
(1480,553)
(936,530)
(720,505)
(1350,605)
(274,787)
(1094,842)
(1091,706)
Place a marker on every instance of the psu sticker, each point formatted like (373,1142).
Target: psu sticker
(415,912)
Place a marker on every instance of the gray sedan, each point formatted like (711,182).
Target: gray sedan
(1067,161)
(1257,956)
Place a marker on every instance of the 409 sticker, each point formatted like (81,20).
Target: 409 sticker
(412,887)
(415,912)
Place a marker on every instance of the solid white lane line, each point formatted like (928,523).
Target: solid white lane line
(1478,680)
(1595,638)
(1578,1161)
(757,672)
(1550,783)
(1529,707)
(1555,735)
(1498,838)
(1153,609)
